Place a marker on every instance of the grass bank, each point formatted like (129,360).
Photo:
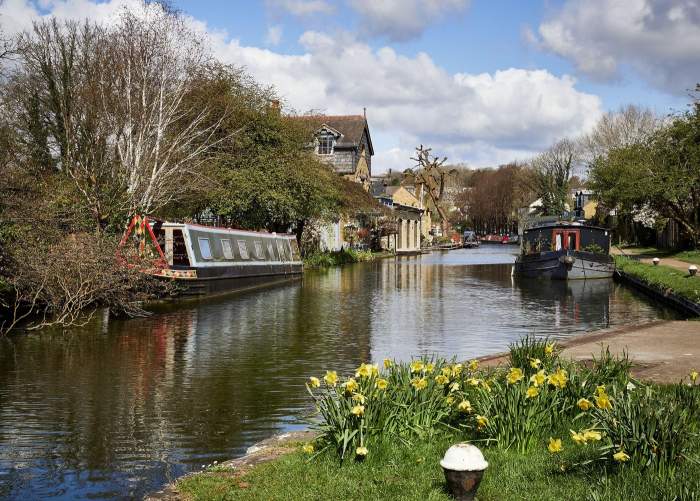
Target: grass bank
(549,428)
(688,256)
(663,277)
(338,258)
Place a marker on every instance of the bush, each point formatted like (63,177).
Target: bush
(337,258)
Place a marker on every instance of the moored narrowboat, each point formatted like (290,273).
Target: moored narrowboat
(565,251)
(205,259)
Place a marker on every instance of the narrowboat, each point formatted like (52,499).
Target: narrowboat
(205,259)
(565,251)
(470,240)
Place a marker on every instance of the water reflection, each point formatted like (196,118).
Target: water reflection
(118,409)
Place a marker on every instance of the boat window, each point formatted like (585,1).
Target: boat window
(204,248)
(557,242)
(271,251)
(572,241)
(282,251)
(243,249)
(180,257)
(259,252)
(226,247)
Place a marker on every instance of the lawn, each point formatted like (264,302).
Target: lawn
(663,277)
(689,256)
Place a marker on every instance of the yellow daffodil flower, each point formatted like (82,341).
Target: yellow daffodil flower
(579,438)
(539,378)
(457,369)
(417,366)
(361,451)
(621,456)
(449,400)
(584,404)
(549,348)
(464,406)
(382,384)
(350,385)
(358,397)
(364,370)
(600,389)
(454,386)
(535,363)
(592,436)
(314,382)
(486,385)
(603,402)
(441,379)
(358,410)
(374,370)
(559,378)
(693,376)
(473,381)
(554,445)
(331,378)
(446,371)
(482,422)
(532,392)
(514,375)
(473,365)
(419,383)
(308,448)
(429,368)
(388,363)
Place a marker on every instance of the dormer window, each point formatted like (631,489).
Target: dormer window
(326,141)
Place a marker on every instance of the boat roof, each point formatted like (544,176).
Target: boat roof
(224,229)
(565,224)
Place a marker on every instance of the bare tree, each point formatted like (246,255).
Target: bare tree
(552,171)
(430,173)
(160,142)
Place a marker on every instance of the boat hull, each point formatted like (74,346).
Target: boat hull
(235,278)
(565,265)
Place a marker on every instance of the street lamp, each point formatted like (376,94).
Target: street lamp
(692,269)
(655,261)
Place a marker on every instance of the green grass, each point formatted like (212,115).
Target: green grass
(689,256)
(337,258)
(663,277)
(411,472)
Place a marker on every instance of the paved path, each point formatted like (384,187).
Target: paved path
(662,351)
(665,261)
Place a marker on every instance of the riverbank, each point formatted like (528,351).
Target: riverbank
(660,352)
(341,257)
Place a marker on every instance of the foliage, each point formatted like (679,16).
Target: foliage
(522,352)
(551,174)
(336,258)
(662,277)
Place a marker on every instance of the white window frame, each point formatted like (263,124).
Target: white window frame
(208,254)
(271,251)
(243,249)
(329,147)
(259,250)
(227,249)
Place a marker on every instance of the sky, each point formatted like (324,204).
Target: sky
(483,82)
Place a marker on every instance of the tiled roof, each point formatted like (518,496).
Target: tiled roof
(350,126)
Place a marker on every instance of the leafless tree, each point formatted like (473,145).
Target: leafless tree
(431,173)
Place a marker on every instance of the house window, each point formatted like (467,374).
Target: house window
(259,252)
(325,143)
(226,247)
(204,248)
(243,249)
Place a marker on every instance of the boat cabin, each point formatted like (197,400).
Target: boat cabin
(566,236)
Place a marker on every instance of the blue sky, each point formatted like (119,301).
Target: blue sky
(484,82)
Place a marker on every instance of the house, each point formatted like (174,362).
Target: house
(584,204)
(407,213)
(344,142)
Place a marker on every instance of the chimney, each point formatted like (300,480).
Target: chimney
(364,113)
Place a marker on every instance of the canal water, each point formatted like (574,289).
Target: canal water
(117,409)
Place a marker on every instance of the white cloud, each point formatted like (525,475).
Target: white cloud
(659,39)
(481,119)
(301,7)
(274,35)
(401,20)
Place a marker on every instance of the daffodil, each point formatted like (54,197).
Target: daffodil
(514,375)
(374,369)
(387,363)
(417,366)
(457,369)
(539,378)
(331,378)
(382,384)
(473,381)
(579,438)
(532,392)
(549,349)
(358,410)
(486,385)
(693,376)
(358,397)
(464,406)
(419,383)
(361,451)
(554,445)
(441,379)
(535,363)
(600,389)
(364,370)
(584,404)
(449,400)
(482,422)
(559,378)
(621,456)
(308,448)
(603,402)
(350,385)
(473,365)
(429,368)
(454,386)
(314,382)
(592,436)
(446,371)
